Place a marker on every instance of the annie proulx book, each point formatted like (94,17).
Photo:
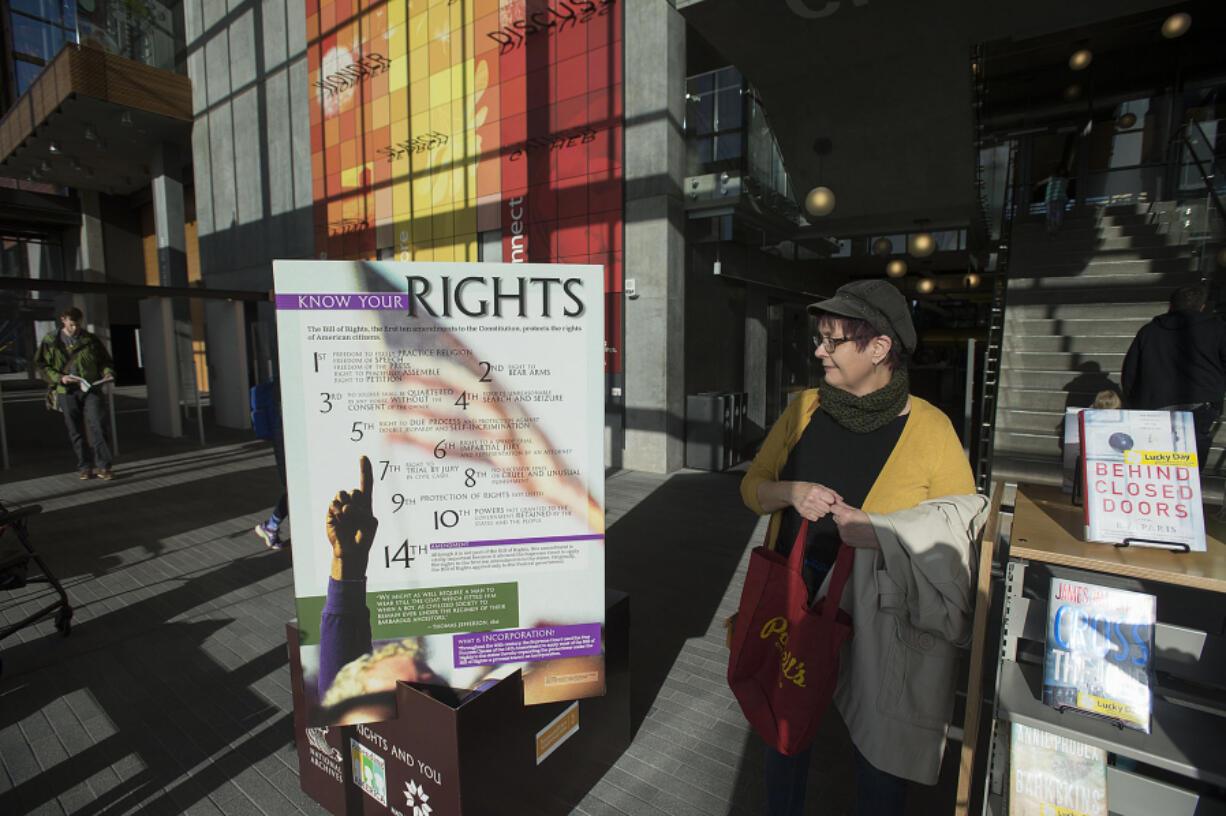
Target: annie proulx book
(1050,775)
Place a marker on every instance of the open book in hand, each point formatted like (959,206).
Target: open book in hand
(86,384)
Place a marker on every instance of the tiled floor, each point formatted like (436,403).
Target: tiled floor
(171,695)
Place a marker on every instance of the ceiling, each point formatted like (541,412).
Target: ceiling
(94,144)
(95,121)
(888,85)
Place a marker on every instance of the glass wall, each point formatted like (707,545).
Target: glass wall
(727,130)
(438,127)
(40,28)
(714,118)
(140,30)
(147,31)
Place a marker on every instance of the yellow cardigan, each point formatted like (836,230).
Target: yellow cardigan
(926,463)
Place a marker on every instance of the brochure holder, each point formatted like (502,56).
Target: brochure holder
(488,755)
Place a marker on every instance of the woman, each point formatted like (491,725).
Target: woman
(859,445)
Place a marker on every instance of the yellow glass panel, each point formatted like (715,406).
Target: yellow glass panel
(460,191)
(419,99)
(419,63)
(419,123)
(397,43)
(399,106)
(465,220)
(419,31)
(421,229)
(382,113)
(440,191)
(440,87)
(444,252)
(395,13)
(440,118)
(400,131)
(401,200)
(423,186)
(398,75)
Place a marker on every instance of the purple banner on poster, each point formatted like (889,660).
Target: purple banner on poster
(344,302)
(524,645)
(451,545)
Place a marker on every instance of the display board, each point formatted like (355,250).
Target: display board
(444,448)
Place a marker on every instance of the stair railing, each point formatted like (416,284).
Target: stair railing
(1193,138)
(993,349)
(1192,135)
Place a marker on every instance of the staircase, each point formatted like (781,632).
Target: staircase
(1075,301)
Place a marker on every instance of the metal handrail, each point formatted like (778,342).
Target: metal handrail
(1207,176)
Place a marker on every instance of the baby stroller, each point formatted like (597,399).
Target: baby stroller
(16,553)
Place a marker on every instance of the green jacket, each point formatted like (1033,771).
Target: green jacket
(92,361)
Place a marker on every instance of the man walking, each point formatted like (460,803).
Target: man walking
(74,362)
(1177,362)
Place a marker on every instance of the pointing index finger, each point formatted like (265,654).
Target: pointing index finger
(368,476)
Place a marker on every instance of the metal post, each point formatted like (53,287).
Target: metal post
(4,438)
(199,412)
(968,400)
(110,401)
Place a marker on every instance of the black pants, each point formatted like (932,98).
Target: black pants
(1204,414)
(83,412)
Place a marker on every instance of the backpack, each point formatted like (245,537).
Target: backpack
(266,409)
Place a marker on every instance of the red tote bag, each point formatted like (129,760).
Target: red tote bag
(784,662)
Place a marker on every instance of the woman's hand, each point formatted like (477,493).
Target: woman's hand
(812,500)
(854,527)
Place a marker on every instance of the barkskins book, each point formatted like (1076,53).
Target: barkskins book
(1100,651)
(1051,775)
(1141,478)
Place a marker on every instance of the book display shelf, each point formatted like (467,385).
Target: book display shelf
(1179,769)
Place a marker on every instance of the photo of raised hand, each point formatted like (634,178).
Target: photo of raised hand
(351,526)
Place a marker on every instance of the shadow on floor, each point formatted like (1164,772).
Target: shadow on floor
(675,553)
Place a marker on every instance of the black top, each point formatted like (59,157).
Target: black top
(846,462)
(1178,358)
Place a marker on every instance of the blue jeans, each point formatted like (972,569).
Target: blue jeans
(877,793)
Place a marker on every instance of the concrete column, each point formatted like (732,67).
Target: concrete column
(226,340)
(168,216)
(157,339)
(35,270)
(171,234)
(91,265)
(654,361)
(756,332)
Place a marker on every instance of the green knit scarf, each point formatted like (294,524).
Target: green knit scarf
(870,412)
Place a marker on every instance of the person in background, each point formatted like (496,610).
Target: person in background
(266,420)
(1177,362)
(73,361)
(877,469)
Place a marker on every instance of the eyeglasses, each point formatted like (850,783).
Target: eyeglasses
(829,343)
